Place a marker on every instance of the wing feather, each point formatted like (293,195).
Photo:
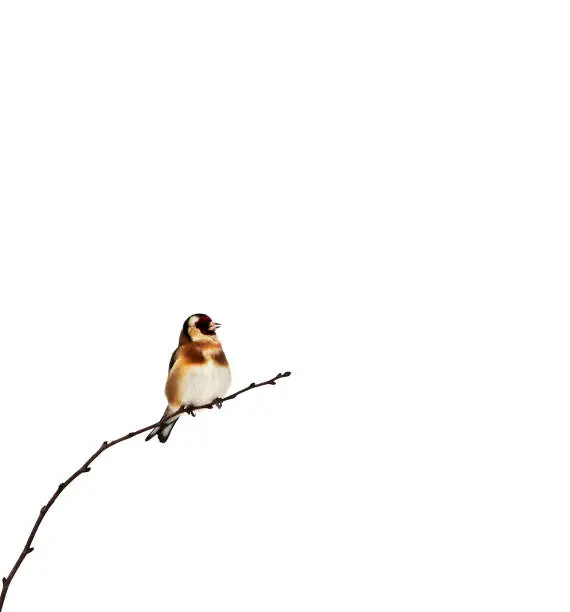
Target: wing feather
(173,359)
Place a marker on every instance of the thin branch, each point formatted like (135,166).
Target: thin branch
(106,445)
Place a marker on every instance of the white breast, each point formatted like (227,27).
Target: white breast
(205,383)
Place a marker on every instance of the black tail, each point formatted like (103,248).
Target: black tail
(163,431)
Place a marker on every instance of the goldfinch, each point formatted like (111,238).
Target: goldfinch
(198,372)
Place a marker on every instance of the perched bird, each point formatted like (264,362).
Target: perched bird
(198,372)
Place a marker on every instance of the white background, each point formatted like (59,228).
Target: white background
(373,195)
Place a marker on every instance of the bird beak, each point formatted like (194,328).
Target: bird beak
(214,326)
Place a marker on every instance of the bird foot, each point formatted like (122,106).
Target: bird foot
(218,402)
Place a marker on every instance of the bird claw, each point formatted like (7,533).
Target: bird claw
(218,402)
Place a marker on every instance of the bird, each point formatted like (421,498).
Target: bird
(198,372)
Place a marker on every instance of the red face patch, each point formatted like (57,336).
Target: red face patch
(203,324)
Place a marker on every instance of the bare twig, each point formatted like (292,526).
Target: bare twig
(106,445)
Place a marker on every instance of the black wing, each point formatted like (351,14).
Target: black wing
(173,359)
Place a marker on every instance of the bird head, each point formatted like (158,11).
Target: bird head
(199,327)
